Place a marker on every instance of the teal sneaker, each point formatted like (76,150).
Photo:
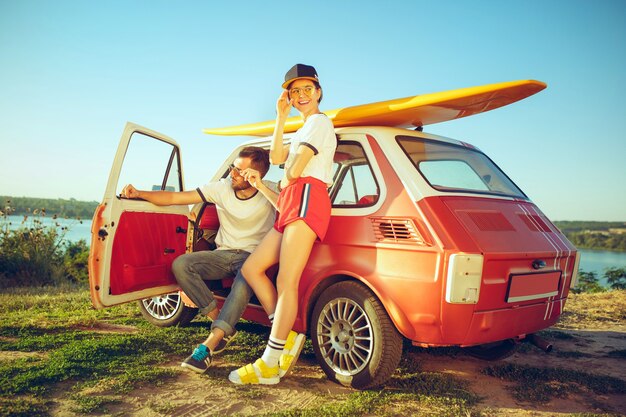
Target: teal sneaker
(199,361)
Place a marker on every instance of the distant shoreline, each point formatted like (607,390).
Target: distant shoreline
(32,206)
(584,234)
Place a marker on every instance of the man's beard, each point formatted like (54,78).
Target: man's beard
(238,186)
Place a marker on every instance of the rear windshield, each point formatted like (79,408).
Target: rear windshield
(454,168)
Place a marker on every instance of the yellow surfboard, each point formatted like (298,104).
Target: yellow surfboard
(413,111)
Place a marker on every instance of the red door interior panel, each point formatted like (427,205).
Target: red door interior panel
(144,248)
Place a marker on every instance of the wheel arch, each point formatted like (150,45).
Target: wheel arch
(397,316)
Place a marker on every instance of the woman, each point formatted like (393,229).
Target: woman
(304,213)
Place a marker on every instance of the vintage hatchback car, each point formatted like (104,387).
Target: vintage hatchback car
(429,240)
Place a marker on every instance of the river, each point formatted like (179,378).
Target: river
(75,229)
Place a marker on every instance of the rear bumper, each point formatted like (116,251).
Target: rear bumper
(491,326)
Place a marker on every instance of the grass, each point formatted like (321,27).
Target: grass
(60,339)
(540,385)
(410,391)
(594,310)
(56,345)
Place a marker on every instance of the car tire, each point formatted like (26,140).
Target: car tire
(354,340)
(492,351)
(167,310)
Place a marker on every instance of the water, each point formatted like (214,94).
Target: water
(76,230)
(590,260)
(598,260)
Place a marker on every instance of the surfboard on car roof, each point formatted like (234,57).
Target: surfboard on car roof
(412,111)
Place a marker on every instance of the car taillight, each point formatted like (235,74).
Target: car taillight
(464,278)
(574,280)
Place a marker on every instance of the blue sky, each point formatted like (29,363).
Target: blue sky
(73,72)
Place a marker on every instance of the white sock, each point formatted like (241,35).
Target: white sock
(273,350)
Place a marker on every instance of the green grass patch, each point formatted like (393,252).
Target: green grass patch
(95,357)
(64,339)
(542,384)
(86,404)
(356,404)
(162,407)
(23,407)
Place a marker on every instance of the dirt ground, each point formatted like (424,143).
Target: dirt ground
(191,395)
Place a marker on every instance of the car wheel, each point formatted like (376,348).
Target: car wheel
(167,310)
(492,351)
(354,340)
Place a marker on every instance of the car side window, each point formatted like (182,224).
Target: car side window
(150,164)
(354,183)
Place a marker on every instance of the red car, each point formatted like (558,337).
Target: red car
(429,240)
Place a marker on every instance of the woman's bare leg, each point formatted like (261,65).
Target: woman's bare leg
(297,242)
(253,270)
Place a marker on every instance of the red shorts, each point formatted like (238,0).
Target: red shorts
(306,199)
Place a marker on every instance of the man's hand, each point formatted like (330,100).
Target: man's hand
(252,176)
(130,192)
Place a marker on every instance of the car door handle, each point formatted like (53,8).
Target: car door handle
(168,250)
(180,230)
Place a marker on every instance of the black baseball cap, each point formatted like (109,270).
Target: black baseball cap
(298,72)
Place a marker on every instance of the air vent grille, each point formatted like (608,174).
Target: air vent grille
(396,230)
(491,222)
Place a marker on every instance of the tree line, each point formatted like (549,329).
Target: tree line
(27,206)
(595,235)
(583,234)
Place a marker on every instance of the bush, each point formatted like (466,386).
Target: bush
(34,255)
(588,282)
(616,278)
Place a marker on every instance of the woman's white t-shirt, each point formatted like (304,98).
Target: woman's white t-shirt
(318,134)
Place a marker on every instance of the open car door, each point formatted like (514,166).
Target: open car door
(133,242)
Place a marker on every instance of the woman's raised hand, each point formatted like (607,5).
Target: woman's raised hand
(283,105)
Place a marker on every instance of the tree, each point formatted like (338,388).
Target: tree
(587,282)
(616,278)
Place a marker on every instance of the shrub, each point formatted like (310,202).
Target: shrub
(616,278)
(588,282)
(34,255)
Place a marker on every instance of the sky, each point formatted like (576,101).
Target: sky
(72,73)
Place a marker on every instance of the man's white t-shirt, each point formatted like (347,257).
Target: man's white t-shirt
(318,134)
(243,223)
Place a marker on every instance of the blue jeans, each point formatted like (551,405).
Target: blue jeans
(192,269)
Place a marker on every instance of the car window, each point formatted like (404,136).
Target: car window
(453,168)
(354,183)
(150,164)
(452,174)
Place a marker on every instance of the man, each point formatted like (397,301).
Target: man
(245,208)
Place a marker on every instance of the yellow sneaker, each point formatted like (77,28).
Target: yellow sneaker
(255,373)
(291,352)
